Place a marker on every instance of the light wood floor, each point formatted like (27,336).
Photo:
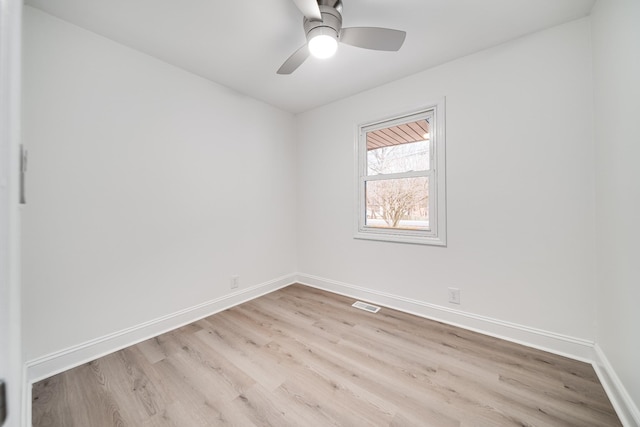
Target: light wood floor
(304,357)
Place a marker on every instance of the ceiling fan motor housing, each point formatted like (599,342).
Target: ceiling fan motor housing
(330,25)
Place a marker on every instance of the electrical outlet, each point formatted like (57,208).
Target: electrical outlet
(454,295)
(235,282)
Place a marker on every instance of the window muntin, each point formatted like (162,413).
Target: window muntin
(401,178)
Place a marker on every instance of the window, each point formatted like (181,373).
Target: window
(401,178)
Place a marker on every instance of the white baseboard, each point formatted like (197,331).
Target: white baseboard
(575,348)
(51,364)
(626,409)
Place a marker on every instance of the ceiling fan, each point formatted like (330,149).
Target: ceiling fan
(323,28)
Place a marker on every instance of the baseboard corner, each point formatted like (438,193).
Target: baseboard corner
(625,407)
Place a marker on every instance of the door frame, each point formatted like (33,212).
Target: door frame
(11,366)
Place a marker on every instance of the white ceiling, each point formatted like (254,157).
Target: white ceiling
(241,43)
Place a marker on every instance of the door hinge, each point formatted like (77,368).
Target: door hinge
(23,174)
(3,403)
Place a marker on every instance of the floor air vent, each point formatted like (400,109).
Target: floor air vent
(366,307)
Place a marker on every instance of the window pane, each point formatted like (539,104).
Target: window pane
(401,203)
(399,149)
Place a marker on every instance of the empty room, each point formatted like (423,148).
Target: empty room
(320,212)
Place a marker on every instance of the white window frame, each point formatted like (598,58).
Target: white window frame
(437,235)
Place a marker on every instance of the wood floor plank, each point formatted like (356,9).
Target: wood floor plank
(304,357)
(242,357)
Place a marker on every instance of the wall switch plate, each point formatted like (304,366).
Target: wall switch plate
(454,295)
(235,282)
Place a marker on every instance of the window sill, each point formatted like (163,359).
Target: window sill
(399,237)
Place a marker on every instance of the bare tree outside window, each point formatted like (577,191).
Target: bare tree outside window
(401,203)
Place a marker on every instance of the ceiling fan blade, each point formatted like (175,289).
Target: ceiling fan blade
(373,38)
(294,61)
(309,8)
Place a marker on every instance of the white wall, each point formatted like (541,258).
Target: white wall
(148,188)
(520,179)
(616,41)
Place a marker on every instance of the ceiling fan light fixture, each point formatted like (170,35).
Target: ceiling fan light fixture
(322,25)
(323,42)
